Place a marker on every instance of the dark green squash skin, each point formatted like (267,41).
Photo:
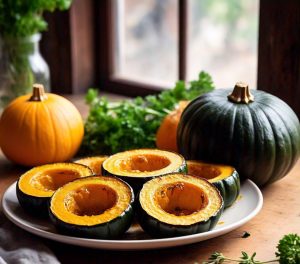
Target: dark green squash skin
(260,139)
(108,230)
(158,229)
(37,206)
(137,182)
(229,188)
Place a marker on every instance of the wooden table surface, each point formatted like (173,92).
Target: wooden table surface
(280,215)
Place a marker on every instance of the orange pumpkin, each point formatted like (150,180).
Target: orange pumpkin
(166,136)
(40,128)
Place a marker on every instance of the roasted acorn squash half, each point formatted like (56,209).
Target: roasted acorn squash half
(95,163)
(224,177)
(36,186)
(140,165)
(178,205)
(93,207)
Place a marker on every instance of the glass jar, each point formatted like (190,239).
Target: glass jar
(21,65)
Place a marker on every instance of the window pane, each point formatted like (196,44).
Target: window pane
(146,41)
(223,37)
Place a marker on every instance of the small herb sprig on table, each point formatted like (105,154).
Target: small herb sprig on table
(288,252)
(114,127)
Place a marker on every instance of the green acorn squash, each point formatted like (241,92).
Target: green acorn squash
(36,186)
(140,165)
(257,134)
(93,207)
(95,163)
(178,205)
(225,178)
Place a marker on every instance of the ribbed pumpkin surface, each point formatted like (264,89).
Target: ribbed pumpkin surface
(40,128)
(260,139)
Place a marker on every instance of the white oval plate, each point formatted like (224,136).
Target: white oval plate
(247,206)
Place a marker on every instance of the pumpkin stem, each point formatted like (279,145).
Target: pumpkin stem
(38,93)
(241,94)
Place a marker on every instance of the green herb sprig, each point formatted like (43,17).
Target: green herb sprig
(114,127)
(288,252)
(22,18)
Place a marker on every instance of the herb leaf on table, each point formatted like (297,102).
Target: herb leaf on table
(289,249)
(288,253)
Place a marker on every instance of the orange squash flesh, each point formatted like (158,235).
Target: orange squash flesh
(181,198)
(211,172)
(141,163)
(51,180)
(224,177)
(205,171)
(36,186)
(95,163)
(144,163)
(91,200)
(42,181)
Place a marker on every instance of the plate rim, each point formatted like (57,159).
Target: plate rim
(140,244)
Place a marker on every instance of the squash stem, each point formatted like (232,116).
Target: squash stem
(241,94)
(38,93)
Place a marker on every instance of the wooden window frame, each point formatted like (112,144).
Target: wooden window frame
(125,86)
(64,48)
(69,48)
(81,56)
(105,42)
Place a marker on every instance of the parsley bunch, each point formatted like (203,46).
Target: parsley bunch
(288,253)
(20,18)
(114,127)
